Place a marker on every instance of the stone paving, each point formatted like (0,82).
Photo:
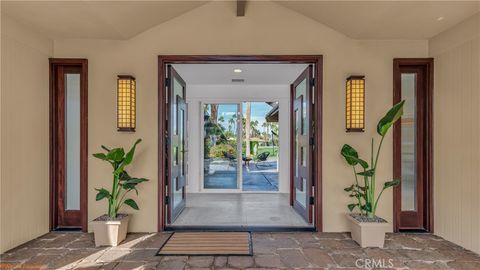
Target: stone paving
(303,250)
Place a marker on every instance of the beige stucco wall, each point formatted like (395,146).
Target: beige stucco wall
(24,134)
(214,29)
(456,133)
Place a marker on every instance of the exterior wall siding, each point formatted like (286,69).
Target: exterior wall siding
(456,129)
(24,134)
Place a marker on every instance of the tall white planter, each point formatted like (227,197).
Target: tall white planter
(110,232)
(368,234)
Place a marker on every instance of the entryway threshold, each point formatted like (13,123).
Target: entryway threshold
(240,228)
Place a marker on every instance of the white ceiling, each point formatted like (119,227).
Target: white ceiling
(254,74)
(386,19)
(125,19)
(95,19)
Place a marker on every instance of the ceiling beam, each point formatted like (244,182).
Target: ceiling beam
(241,8)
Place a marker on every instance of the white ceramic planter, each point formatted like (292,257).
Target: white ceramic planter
(368,234)
(110,233)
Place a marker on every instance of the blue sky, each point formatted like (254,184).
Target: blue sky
(258,112)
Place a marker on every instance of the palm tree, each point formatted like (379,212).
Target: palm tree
(248,114)
(214,113)
(231,123)
(254,126)
(265,126)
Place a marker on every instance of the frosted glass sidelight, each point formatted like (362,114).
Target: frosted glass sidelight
(72,141)
(408,145)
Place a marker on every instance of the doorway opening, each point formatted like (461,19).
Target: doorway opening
(240,142)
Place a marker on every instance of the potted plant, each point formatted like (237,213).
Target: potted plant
(367,229)
(111,229)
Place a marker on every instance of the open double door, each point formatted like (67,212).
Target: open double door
(301,154)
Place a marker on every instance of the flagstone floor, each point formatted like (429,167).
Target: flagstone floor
(304,250)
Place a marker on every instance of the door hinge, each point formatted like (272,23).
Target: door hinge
(167,140)
(312,200)
(312,141)
(312,81)
(167,82)
(167,199)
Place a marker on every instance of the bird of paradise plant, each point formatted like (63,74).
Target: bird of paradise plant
(364,193)
(122,183)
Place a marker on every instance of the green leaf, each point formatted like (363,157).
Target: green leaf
(102,193)
(124,176)
(135,181)
(129,157)
(390,118)
(350,154)
(392,183)
(116,154)
(352,206)
(367,207)
(131,203)
(368,173)
(101,156)
(360,161)
(106,148)
(348,189)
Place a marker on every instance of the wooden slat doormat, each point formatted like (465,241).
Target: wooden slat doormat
(207,243)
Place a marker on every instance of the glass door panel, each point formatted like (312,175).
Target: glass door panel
(301,186)
(260,147)
(220,146)
(177,147)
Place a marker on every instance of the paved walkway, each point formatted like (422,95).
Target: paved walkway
(271,250)
(257,176)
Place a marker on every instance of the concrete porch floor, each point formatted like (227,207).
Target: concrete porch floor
(59,250)
(239,209)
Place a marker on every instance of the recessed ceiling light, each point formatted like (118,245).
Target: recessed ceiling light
(237,70)
(440,18)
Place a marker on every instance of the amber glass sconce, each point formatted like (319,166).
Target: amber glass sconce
(126,103)
(355,104)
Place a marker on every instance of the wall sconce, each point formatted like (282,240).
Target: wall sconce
(355,104)
(126,107)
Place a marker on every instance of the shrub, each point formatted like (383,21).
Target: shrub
(217,151)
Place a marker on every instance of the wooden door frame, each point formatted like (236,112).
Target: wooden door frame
(316,60)
(427,64)
(83,64)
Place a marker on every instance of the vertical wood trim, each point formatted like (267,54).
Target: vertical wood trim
(162,114)
(54,63)
(84,144)
(52,142)
(317,176)
(292,148)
